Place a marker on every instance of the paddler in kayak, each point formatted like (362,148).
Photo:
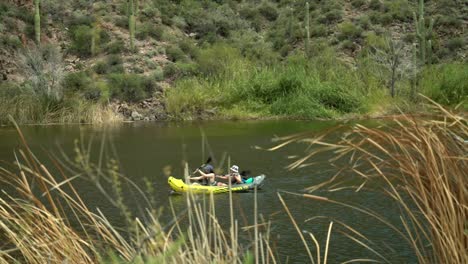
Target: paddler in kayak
(233,175)
(207,173)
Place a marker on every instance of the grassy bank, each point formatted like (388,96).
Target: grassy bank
(230,59)
(323,86)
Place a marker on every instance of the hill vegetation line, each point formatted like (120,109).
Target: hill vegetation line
(101,61)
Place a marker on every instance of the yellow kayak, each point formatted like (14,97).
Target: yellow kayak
(180,186)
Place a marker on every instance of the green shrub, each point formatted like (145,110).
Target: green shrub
(187,99)
(400,10)
(81,40)
(100,67)
(174,53)
(268,11)
(157,74)
(188,47)
(115,47)
(348,30)
(334,97)
(77,81)
(358,3)
(79,19)
(318,31)
(375,4)
(216,59)
(171,71)
(331,17)
(446,84)
(128,87)
(150,12)
(179,22)
(349,45)
(150,30)
(121,21)
(386,19)
(455,44)
(10,41)
(448,22)
(364,22)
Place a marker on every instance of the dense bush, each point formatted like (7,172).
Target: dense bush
(216,59)
(115,47)
(455,44)
(150,30)
(77,81)
(174,53)
(447,84)
(349,31)
(130,87)
(81,40)
(268,11)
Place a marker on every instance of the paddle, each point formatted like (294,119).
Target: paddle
(207,162)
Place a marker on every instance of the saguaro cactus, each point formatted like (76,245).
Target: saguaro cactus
(423,34)
(37,21)
(307,30)
(131,25)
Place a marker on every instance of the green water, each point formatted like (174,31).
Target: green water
(143,149)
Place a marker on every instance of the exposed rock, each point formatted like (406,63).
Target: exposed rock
(136,116)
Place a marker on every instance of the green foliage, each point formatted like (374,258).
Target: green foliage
(455,44)
(187,99)
(150,30)
(297,88)
(375,4)
(174,53)
(130,87)
(10,41)
(358,3)
(331,17)
(77,81)
(268,11)
(81,40)
(350,31)
(115,47)
(215,60)
(446,84)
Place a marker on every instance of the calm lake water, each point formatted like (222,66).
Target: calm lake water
(144,149)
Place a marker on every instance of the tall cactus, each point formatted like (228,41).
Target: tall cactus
(37,21)
(307,29)
(131,25)
(423,34)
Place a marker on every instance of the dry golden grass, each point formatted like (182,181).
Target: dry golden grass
(423,165)
(36,223)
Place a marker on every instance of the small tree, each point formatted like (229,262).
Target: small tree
(390,58)
(43,67)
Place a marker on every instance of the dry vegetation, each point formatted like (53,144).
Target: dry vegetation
(422,164)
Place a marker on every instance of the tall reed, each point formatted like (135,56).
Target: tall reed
(423,165)
(43,219)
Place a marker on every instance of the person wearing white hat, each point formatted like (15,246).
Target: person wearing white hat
(233,175)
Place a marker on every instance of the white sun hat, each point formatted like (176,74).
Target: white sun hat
(235,168)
